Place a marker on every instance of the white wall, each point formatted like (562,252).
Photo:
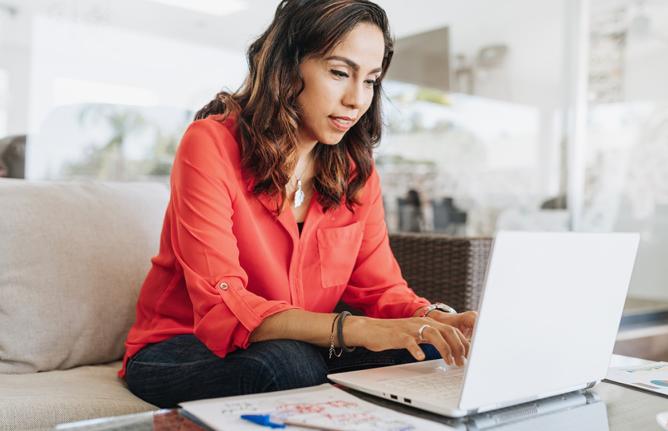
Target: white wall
(74,63)
(108,45)
(165,72)
(15,59)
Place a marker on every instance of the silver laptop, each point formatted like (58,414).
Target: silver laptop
(549,315)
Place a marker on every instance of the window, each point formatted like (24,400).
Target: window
(626,180)
(474,128)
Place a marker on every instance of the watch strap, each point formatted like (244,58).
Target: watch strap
(438,306)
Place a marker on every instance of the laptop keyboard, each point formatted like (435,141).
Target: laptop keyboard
(441,385)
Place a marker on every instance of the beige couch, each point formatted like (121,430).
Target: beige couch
(72,259)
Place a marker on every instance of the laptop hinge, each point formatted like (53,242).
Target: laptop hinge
(591,385)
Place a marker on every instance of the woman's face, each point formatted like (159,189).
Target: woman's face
(338,88)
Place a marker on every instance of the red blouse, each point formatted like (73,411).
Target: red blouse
(226,262)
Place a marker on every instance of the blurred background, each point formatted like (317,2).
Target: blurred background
(524,115)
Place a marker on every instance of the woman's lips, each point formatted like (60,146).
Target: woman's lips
(341,123)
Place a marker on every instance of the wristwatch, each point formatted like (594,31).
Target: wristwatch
(438,306)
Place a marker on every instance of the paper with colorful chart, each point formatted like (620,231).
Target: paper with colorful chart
(651,377)
(324,406)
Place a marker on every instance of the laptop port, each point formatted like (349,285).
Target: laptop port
(394,397)
(407,400)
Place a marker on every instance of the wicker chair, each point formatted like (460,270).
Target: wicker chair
(443,268)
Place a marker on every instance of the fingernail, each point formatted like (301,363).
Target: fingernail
(451,360)
(420,355)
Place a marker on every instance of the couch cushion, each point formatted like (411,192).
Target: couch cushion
(42,400)
(72,260)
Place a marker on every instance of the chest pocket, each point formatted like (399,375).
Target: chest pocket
(338,248)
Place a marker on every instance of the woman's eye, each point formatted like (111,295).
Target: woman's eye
(339,73)
(371,82)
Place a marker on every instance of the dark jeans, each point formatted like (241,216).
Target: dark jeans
(182,368)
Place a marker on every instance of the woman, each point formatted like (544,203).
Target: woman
(276,215)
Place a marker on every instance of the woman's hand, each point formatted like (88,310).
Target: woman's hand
(383,334)
(462,321)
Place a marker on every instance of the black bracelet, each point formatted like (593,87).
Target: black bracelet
(339,331)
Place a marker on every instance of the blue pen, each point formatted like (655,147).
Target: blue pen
(265,420)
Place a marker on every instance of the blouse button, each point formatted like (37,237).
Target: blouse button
(223,286)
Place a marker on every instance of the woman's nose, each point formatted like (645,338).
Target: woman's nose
(354,96)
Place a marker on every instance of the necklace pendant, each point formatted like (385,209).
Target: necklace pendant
(299,195)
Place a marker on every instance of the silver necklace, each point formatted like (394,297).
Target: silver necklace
(299,193)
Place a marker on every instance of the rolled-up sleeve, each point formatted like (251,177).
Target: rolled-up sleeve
(376,286)
(203,188)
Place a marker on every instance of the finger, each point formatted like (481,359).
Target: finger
(450,334)
(465,322)
(414,349)
(433,336)
(460,331)
(471,317)
(465,342)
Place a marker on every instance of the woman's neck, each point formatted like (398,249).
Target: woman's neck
(299,187)
(304,156)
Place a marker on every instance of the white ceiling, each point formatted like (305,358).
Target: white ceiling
(233,31)
(236,30)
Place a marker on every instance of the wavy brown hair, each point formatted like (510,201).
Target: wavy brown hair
(266,106)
